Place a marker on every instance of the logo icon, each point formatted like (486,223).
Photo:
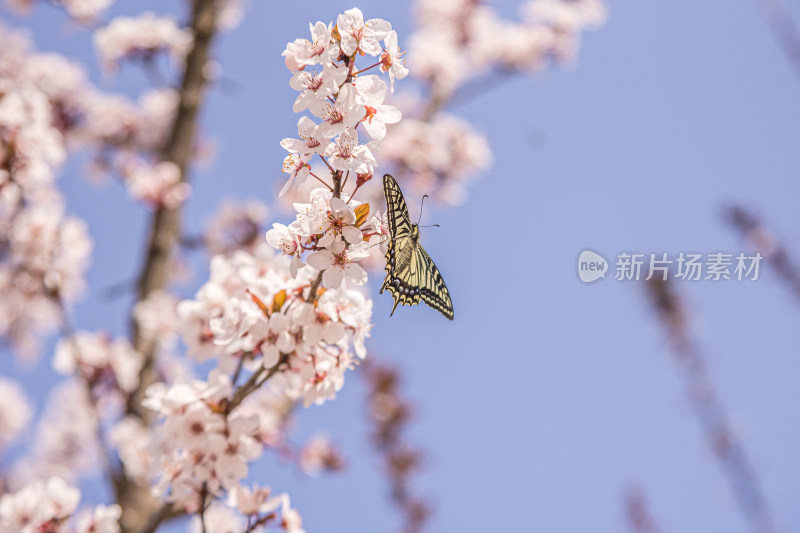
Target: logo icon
(591,266)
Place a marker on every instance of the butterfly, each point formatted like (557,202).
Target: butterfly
(410,272)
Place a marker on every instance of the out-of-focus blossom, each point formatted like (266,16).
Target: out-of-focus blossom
(99,359)
(235,226)
(441,155)
(85,10)
(230,14)
(157,319)
(39,506)
(137,448)
(65,441)
(218,518)
(140,37)
(158,185)
(102,519)
(80,10)
(15,412)
(319,455)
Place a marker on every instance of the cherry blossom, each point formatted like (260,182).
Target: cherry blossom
(359,36)
(392,60)
(346,154)
(345,113)
(302,52)
(309,142)
(340,264)
(285,239)
(372,93)
(315,86)
(298,169)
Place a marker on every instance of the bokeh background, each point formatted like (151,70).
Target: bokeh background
(546,399)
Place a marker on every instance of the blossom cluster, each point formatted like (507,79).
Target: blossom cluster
(207,450)
(204,451)
(341,96)
(253,313)
(47,505)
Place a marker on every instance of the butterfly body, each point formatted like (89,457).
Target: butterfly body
(411,274)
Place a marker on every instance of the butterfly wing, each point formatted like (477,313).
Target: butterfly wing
(399,221)
(402,272)
(432,288)
(399,231)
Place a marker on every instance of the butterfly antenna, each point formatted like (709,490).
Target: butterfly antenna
(421,205)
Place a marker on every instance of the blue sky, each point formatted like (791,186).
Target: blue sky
(545,398)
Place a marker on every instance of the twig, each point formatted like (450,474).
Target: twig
(481,86)
(312,291)
(203,495)
(253,383)
(778,257)
(784,29)
(639,517)
(238,370)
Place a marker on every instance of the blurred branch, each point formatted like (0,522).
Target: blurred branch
(389,414)
(723,441)
(481,86)
(778,258)
(142,512)
(165,224)
(638,513)
(784,30)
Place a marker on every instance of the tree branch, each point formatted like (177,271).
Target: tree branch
(165,224)
(142,512)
